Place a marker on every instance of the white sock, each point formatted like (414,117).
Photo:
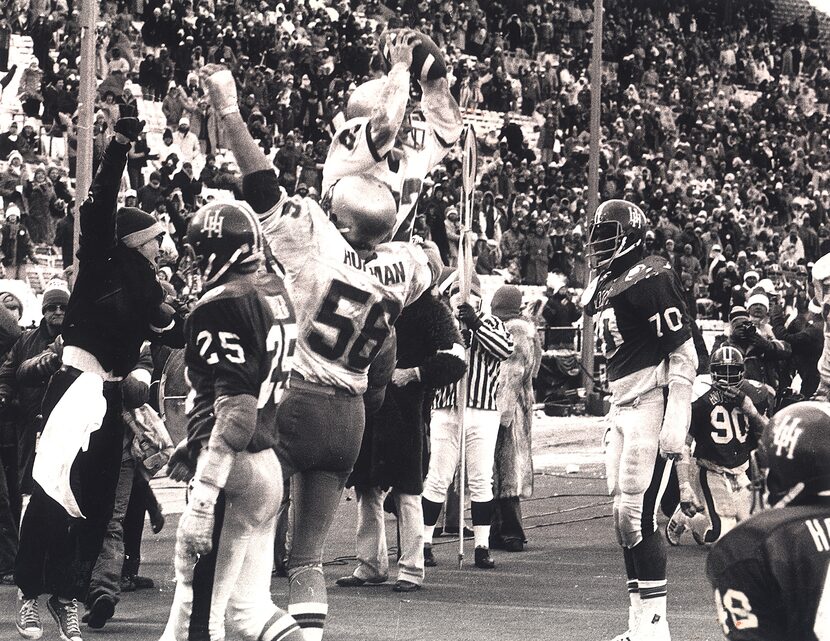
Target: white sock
(481,536)
(653,601)
(635,603)
(429,530)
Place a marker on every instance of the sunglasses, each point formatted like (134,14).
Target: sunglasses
(55,307)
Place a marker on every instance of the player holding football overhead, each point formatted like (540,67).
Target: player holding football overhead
(240,338)
(646,338)
(347,289)
(386,136)
(727,421)
(771,574)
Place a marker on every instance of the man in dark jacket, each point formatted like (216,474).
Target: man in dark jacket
(117,303)
(394,451)
(805,337)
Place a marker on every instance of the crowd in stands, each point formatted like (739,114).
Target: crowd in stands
(713,121)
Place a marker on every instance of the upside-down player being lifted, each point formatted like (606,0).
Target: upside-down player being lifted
(240,338)
(647,342)
(727,421)
(387,136)
(347,290)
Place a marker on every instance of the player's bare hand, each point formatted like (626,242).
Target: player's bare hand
(401,51)
(405,376)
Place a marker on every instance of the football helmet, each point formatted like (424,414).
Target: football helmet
(795,449)
(727,367)
(363,209)
(617,229)
(222,236)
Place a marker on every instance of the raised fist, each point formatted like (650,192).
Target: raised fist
(221,87)
(130,128)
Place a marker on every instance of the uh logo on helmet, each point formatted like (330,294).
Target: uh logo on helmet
(795,449)
(221,236)
(618,229)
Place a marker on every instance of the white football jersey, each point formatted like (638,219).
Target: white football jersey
(402,168)
(345,308)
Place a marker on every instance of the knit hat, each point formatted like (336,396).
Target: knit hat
(507,303)
(738,314)
(135,227)
(758,299)
(54,295)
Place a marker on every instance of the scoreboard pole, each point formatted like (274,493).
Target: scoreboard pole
(588,343)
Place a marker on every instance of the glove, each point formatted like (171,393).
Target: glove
(689,503)
(129,128)
(47,364)
(405,376)
(733,396)
(196,526)
(221,88)
(134,392)
(468,316)
(759,341)
(181,467)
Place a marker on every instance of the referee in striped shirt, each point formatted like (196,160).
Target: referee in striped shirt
(490,343)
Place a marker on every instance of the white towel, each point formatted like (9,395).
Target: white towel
(78,413)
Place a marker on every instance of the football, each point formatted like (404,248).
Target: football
(427,59)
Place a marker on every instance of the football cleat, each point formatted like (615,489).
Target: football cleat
(654,629)
(676,527)
(221,236)
(618,229)
(795,447)
(727,367)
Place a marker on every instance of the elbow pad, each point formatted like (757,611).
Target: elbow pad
(236,418)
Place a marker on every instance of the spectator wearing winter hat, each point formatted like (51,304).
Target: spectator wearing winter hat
(186,141)
(513,463)
(16,244)
(24,375)
(116,305)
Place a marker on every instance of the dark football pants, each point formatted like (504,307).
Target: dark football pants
(320,430)
(57,553)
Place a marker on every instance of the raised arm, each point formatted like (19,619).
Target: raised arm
(98,210)
(441,111)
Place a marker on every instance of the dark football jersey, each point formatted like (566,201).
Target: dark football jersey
(642,317)
(770,575)
(240,340)
(722,432)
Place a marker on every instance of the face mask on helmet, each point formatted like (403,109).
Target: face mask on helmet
(412,132)
(604,240)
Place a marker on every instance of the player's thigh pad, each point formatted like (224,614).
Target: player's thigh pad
(639,428)
(255,483)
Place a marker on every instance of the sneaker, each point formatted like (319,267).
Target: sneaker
(66,616)
(429,558)
(676,527)
(28,620)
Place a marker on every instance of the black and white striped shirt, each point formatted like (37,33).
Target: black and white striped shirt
(490,345)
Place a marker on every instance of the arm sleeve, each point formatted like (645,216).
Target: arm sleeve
(494,337)
(98,210)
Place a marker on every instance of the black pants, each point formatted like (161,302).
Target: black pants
(142,500)
(9,508)
(57,553)
(507,520)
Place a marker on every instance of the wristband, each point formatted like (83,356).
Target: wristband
(227,111)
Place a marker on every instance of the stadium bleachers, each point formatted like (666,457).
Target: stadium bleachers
(785,11)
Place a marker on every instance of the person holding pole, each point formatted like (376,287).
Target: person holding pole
(489,344)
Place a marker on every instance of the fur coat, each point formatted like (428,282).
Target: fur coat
(513,465)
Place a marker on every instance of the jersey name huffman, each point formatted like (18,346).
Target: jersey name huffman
(386,274)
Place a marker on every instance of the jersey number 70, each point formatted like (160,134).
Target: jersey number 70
(375,328)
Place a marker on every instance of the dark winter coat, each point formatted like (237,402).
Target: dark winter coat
(394,452)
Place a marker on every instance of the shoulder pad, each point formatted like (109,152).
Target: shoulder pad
(230,290)
(649,267)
